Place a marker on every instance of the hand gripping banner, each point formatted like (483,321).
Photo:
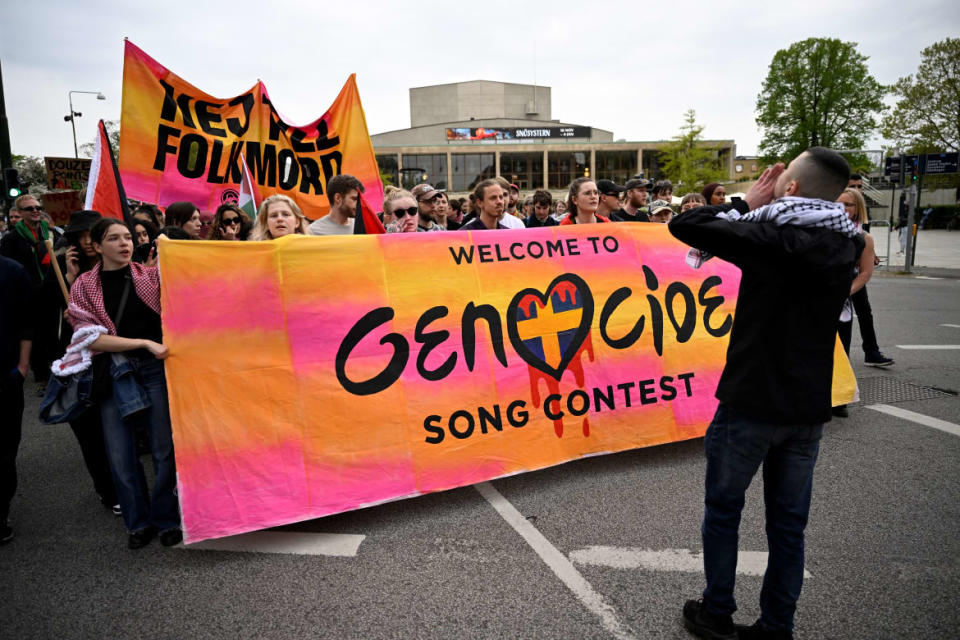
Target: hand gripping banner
(180,143)
(314,375)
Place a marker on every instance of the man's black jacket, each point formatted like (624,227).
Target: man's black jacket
(794,281)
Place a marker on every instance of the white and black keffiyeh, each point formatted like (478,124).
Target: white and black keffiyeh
(801,212)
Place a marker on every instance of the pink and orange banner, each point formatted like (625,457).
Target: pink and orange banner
(314,375)
(179,143)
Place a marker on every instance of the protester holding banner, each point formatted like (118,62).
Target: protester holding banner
(227,223)
(400,206)
(115,309)
(582,203)
(278,216)
(796,250)
(185,216)
(80,257)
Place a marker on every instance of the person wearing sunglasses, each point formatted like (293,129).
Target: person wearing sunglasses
(400,207)
(25,242)
(228,222)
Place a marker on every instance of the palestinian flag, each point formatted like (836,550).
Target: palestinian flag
(104,188)
(249,200)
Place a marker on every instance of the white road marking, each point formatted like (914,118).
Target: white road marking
(927,278)
(294,542)
(749,563)
(557,562)
(928,347)
(919,418)
(954,326)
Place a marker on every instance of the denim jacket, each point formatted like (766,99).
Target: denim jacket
(68,397)
(127,392)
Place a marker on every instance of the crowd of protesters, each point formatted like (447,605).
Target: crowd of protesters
(104,316)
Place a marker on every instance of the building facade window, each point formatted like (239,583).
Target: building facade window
(387,164)
(618,166)
(652,166)
(563,167)
(424,167)
(739,168)
(523,169)
(469,169)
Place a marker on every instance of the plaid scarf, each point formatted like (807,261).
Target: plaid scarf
(86,296)
(800,212)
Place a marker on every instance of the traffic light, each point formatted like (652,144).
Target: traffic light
(12,186)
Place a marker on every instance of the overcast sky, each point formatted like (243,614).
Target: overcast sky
(629,67)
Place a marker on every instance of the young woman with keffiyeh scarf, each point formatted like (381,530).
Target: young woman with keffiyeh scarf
(117,288)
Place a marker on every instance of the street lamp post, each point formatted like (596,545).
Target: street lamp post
(75,114)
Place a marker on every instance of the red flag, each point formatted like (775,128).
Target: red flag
(365,220)
(104,189)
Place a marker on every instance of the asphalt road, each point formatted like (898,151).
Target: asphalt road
(882,551)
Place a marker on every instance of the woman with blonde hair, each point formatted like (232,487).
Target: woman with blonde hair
(856,208)
(278,216)
(400,211)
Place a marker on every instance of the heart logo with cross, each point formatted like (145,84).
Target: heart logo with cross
(547,329)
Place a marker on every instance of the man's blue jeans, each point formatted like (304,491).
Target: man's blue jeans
(736,445)
(141,508)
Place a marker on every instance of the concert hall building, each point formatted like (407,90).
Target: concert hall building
(464,132)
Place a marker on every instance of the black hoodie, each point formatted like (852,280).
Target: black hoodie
(794,281)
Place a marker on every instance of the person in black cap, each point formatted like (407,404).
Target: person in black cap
(609,197)
(635,207)
(79,257)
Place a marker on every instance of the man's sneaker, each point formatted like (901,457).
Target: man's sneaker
(758,631)
(877,359)
(703,624)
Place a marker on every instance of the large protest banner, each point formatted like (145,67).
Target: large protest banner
(313,375)
(179,143)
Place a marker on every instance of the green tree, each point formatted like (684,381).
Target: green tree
(818,92)
(113,135)
(927,115)
(32,171)
(687,161)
